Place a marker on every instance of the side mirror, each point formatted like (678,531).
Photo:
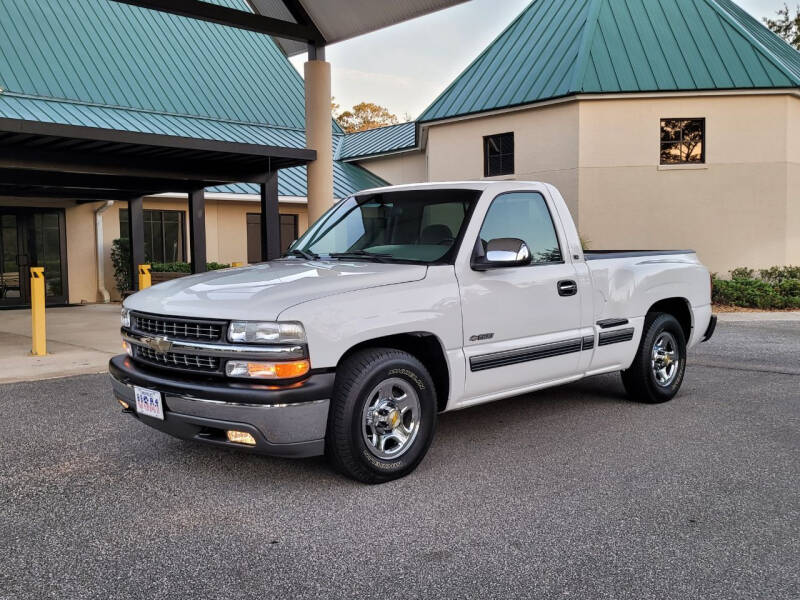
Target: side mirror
(502,252)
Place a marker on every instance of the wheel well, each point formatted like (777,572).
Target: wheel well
(423,346)
(678,308)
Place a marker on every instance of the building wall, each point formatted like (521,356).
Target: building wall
(742,208)
(733,210)
(545,144)
(793,182)
(409,167)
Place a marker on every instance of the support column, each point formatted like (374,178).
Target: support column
(319,132)
(270,218)
(135,238)
(197,230)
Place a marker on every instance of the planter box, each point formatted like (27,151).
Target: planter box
(160,277)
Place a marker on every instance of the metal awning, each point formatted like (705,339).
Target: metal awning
(299,23)
(66,161)
(89,164)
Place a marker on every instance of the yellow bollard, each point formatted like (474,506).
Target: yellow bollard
(38,334)
(145,280)
(237,264)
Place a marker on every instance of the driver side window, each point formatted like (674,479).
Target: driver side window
(525,216)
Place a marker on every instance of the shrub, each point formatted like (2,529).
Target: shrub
(121,259)
(778,274)
(775,288)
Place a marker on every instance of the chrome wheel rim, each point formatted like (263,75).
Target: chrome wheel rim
(391,417)
(665,359)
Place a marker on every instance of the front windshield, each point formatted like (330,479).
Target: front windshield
(412,225)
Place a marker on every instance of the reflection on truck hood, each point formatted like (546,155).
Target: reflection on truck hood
(263,291)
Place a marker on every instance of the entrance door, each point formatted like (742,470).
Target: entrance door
(32,237)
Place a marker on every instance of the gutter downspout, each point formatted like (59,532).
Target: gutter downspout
(98,228)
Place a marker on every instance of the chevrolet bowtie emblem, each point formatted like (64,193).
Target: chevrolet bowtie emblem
(160,344)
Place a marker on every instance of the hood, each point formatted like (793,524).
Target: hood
(261,292)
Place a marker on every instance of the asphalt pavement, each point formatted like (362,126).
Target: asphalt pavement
(572,492)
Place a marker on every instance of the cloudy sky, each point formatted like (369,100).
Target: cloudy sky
(406,66)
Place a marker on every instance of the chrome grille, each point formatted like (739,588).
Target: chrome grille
(174,360)
(179,329)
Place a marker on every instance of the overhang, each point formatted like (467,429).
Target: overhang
(50,160)
(298,23)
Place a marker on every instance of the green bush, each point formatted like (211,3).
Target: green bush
(775,288)
(121,259)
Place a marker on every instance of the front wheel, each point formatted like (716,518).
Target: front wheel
(657,371)
(382,416)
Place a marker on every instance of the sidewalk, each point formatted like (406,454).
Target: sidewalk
(738,317)
(80,340)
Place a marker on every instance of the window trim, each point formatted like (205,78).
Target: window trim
(513,153)
(683,164)
(552,222)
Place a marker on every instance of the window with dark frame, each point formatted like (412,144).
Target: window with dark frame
(498,154)
(164,235)
(683,141)
(289,233)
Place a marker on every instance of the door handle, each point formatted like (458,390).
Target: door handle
(567,288)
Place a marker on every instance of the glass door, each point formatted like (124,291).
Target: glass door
(12,292)
(32,237)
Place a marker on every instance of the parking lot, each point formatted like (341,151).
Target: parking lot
(572,492)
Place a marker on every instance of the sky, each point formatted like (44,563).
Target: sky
(405,67)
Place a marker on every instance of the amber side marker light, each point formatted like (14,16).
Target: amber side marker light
(263,370)
(123,404)
(240,437)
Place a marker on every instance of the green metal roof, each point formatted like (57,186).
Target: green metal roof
(96,63)
(382,140)
(557,48)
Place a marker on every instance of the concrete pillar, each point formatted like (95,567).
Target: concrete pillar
(319,134)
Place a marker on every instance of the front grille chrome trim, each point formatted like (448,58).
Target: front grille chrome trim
(224,351)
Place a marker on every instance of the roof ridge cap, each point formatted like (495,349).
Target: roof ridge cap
(589,30)
(145,110)
(763,50)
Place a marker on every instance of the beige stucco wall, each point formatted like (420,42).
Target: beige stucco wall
(733,211)
(793,182)
(545,144)
(409,167)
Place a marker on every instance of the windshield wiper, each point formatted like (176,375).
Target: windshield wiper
(362,254)
(302,254)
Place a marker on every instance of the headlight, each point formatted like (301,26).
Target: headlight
(254,332)
(125,317)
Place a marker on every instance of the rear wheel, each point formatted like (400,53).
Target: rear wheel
(382,416)
(657,371)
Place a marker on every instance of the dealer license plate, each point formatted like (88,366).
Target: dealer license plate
(148,402)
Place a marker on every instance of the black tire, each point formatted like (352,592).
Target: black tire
(640,380)
(356,379)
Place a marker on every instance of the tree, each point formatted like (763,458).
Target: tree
(786,25)
(363,116)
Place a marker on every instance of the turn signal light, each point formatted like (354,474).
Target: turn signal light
(123,404)
(240,437)
(265,370)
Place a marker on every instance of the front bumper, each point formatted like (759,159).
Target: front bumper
(285,421)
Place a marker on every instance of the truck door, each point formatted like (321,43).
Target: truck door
(521,323)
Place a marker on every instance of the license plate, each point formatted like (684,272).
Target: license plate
(148,402)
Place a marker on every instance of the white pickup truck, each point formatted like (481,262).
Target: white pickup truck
(398,304)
